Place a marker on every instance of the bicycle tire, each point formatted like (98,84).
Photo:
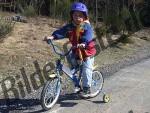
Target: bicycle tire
(97,83)
(52,88)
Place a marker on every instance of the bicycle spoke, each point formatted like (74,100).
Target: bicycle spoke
(49,100)
(97,83)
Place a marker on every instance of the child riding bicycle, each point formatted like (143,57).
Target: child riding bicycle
(80,34)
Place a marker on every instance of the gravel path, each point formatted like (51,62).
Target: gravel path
(113,59)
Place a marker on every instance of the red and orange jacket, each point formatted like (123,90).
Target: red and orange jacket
(78,34)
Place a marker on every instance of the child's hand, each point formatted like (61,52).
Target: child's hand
(47,38)
(82,45)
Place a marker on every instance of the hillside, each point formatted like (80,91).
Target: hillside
(24,45)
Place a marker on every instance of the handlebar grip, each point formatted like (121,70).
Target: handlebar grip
(49,41)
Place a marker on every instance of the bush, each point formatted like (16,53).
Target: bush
(60,10)
(27,8)
(114,23)
(124,38)
(6,27)
(29,11)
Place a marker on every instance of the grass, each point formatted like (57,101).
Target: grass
(29,11)
(6,26)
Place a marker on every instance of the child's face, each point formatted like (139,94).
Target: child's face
(78,17)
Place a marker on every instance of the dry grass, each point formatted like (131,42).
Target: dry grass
(25,44)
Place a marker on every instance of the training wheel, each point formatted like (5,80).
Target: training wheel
(106,98)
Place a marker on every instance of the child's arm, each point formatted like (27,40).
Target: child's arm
(60,33)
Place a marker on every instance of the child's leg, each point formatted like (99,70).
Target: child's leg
(87,72)
(72,60)
(73,65)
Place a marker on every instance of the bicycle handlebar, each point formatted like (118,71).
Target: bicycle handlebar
(49,41)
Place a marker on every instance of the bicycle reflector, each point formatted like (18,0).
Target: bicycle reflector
(52,75)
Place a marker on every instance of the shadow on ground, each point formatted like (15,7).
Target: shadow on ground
(7,105)
(63,101)
(30,105)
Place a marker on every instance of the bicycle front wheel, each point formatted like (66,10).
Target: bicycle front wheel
(50,93)
(97,83)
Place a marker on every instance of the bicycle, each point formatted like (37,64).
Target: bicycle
(52,89)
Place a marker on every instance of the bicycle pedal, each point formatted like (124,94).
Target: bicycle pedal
(95,66)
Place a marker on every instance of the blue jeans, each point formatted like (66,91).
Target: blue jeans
(86,68)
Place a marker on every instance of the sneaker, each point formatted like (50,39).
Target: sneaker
(77,89)
(86,93)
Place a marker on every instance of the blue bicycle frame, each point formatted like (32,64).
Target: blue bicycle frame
(60,67)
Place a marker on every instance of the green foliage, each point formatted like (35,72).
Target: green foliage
(127,19)
(28,7)
(122,20)
(54,8)
(5,27)
(29,11)
(139,23)
(115,14)
(115,23)
(60,9)
(20,5)
(131,19)
(125,13)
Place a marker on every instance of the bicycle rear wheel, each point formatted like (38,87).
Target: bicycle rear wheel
(97,83)
(50,93)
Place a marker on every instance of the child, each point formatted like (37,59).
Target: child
(80,33)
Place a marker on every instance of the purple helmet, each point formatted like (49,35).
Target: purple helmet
(78,6)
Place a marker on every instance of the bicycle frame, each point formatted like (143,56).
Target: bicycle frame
(60,67)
